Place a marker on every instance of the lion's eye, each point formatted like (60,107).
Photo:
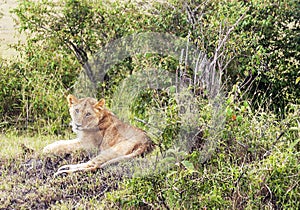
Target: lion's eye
(87,114)
(77,110)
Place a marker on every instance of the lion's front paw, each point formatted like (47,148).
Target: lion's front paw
(77,167)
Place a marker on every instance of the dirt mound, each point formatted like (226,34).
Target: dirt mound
(27,182)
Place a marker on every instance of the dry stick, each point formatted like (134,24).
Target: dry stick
(178,74)
(223,41)
(248,87)
(274,143)
(294,185)
(217,54)
(246,81)
(148,124)
(204,59)
(196,71)
(176,79)
(186,55)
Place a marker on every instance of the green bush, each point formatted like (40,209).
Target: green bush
(269,56)
(259,55)
(255,166)
(34,91)
(10,88)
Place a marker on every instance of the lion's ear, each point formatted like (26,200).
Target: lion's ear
(72,100)
(100,104)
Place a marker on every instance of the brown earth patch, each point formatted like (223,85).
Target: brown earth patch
(27,182)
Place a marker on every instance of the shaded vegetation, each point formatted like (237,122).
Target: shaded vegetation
(260,54)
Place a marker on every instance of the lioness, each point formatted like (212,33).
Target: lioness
(98,128)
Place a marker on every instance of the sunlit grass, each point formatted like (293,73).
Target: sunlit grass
(11,144)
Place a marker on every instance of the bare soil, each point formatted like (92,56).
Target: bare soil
(27,182)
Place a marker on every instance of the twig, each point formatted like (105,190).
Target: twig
(267,153)
(223,41)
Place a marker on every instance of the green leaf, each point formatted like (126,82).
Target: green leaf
(188,165)
(171,173)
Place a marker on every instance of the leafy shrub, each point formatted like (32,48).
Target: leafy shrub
(255,166)
(269,54)
(34,90)
(10,87)
(258,57)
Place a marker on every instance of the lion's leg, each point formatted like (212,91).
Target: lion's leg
(63,147)
(135,153)
(115,154)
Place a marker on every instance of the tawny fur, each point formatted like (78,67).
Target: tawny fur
(99,129)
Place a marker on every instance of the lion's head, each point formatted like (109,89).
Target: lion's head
(86,113)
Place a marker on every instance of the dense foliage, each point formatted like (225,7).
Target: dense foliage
(254,44)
